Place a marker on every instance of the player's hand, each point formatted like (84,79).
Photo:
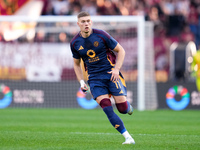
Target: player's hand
(84,86)
(115,75)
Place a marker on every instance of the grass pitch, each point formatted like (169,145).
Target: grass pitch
(79,129)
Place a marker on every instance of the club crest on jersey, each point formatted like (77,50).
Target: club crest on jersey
(96,43)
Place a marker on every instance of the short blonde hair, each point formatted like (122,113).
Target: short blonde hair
(83,14)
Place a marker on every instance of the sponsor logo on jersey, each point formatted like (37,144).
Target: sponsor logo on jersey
(91,53)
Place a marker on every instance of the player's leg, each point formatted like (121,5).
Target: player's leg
(114,119)
(119,92)
(100,93)
(123,105)
(105,103)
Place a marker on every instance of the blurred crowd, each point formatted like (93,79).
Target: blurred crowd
(174,20)
(171,17)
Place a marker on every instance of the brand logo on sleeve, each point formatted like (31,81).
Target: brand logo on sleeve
(80,48)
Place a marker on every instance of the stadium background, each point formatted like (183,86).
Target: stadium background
(175,21)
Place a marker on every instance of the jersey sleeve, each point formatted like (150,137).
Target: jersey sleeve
(75,53)
(110,41)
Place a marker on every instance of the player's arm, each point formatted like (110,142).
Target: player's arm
(79,74)
(120,59)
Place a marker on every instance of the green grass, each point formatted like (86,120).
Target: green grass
(79,129)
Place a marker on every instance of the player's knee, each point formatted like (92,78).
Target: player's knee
(105,102)
(122,107)
(107,107)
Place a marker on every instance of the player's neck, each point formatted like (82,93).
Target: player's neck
(86,34)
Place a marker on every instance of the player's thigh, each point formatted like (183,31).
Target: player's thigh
(98,89)
(119,99)
(117,88)
(101,97)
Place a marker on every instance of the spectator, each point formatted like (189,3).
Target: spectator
(168,6)
(90,7)
(182,7)
(186,34)
(63,37)
(107,7)
(153,15)
(60,7)
(75,8)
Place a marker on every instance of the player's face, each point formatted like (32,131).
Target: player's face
(85,24)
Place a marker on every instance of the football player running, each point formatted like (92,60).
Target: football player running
(95,47)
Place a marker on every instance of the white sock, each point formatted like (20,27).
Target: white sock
(126,134)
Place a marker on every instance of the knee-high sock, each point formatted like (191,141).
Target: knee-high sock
(112,116)
(123,107)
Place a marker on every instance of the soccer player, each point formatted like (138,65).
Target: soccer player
(95,47)
(196,68)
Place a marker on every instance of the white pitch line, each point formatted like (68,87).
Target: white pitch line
(99,133)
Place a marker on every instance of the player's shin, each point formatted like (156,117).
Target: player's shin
(112,116)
